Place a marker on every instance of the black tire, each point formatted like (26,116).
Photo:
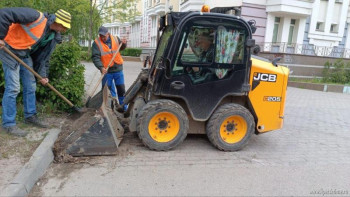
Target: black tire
(165,133)
(235,132)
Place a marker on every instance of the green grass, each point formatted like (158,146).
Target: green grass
(313,80)
(16,146)
(12,146)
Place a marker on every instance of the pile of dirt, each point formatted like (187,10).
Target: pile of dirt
(72,129)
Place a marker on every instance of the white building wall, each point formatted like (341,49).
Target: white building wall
(152,11)
(301,30)
(256,2)
(191,5)
(135,37)
(270,21)
(223,3)
(285,25)
(336,13)
(347,42)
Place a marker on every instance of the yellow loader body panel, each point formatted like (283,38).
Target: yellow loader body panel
(268,94)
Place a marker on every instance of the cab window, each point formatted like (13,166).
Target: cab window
(208,52)
(163,44)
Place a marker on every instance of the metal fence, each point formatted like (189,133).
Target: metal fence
(304,49)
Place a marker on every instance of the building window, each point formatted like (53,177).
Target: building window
(320,26)
(275,29)
(291,31)
(334,28)
(339,1)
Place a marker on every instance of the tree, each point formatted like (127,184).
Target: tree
(87,15)
(121,10)
(124,9)
(79,9)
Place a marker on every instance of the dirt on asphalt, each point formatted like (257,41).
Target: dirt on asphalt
(73,128)
(63,171)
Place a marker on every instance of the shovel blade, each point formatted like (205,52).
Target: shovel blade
(100,139)
(97,132)
(96,101)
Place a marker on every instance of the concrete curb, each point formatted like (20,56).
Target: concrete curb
(320,87)
(131,59)
(34,168)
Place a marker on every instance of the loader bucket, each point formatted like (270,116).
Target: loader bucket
(96,132)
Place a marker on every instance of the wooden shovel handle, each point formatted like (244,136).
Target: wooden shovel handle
(38,76)
(109,64)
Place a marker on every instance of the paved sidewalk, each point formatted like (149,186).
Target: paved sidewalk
(308,157)
(92,75)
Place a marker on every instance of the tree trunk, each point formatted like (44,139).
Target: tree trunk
(91,26)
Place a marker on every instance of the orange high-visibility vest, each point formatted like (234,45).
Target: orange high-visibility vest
(107,53)
(22,36)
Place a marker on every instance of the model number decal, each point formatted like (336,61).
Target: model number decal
(272,98)
(265,77)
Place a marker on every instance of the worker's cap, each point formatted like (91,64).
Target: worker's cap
(63,18)
(102,31)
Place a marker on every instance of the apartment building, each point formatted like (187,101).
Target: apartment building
(247,9)
(135,27)
(125,30)
(151,13)
(312,27)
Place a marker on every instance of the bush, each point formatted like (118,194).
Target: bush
(85,56)
(84,48)
(340,73)
(131,52)
(66,75)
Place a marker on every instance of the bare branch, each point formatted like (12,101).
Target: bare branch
(101,7)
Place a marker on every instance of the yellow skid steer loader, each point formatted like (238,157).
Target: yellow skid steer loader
(202,80)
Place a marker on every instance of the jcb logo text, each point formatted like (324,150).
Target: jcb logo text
(265,77)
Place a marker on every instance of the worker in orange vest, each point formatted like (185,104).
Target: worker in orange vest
(32,36)
(103,50)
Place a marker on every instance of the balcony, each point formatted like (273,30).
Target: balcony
(193,5)
(158,9)
(304,49)
(292,7)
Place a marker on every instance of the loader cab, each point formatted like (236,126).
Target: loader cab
(202,58)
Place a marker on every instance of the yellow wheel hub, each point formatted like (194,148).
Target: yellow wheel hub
(233,129)
(164,127)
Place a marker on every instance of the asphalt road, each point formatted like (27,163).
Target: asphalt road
(310,156)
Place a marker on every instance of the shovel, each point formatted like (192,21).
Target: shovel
(96,101)
(96,132)
(75,108)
